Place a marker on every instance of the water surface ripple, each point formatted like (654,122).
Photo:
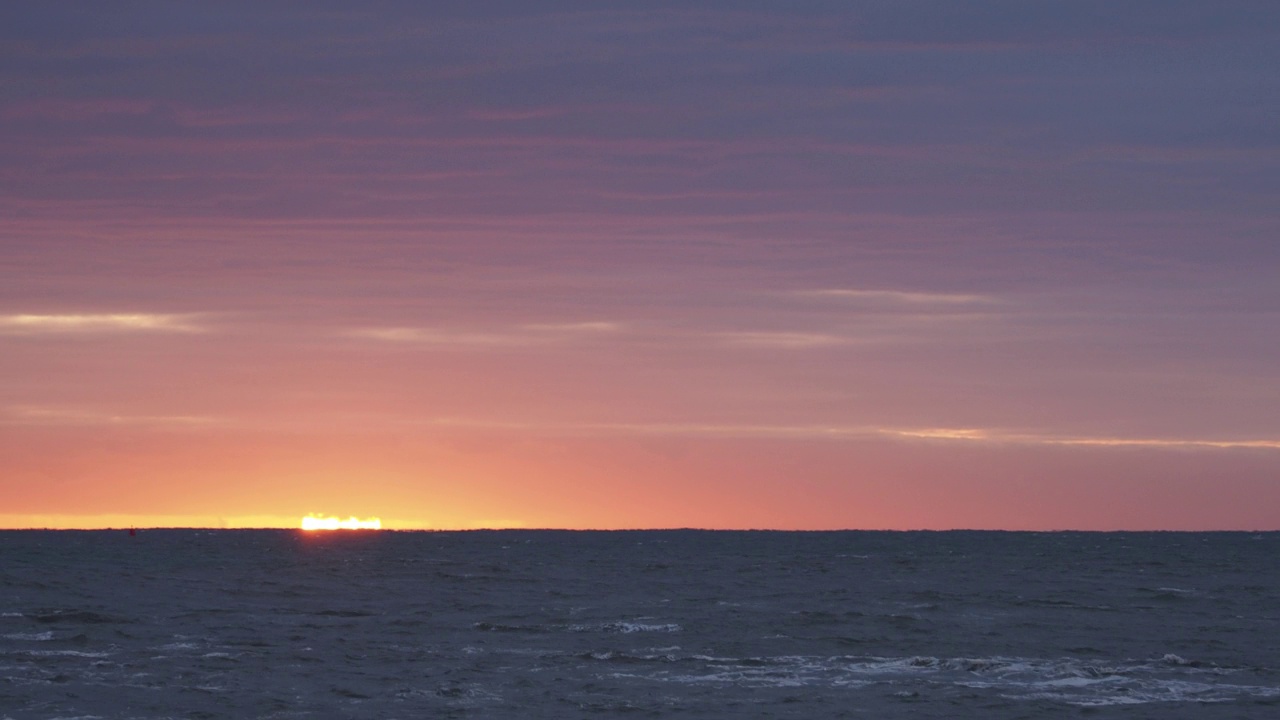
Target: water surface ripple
(545,624)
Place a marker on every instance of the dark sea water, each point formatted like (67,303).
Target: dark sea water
(542,624)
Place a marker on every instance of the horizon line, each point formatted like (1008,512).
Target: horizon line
(344,531)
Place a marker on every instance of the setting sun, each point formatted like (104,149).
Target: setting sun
(313,522)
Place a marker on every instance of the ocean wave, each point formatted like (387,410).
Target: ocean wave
(628,627)
(37,637)
(1169,678)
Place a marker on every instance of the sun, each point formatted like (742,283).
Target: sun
(316,522)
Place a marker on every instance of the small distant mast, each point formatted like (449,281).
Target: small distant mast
(315,522)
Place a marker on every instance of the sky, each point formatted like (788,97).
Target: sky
(806,265)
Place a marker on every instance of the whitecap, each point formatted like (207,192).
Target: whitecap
(1076,681)
(627,627)
(46,635)
(179,646)
(633,627)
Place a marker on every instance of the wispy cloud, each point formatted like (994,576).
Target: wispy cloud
(97,323)
(1022,438)
(594,327)
(866,432)
(1173,443)
(62,415)
(938,433)
(431,336)
(899,296)
(521,335)
(783,340)
(516,114)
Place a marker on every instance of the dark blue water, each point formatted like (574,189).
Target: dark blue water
(541,624)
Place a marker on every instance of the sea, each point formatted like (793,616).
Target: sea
(638,624)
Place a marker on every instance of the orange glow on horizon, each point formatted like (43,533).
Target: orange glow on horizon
(314,522)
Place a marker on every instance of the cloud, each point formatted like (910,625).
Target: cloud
(574,328)
(97,323)
(1165,443)
(43,415)
(783,340)
(1015,438)
(522,335)
(899,296)
(864,432)
(430,336)
(516,114)
(939,433)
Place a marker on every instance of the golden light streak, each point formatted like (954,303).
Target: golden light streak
(315,522)
(991,436)
(96,323)
(941,433)
(104,521)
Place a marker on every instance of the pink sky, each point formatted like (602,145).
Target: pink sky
(827,266)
